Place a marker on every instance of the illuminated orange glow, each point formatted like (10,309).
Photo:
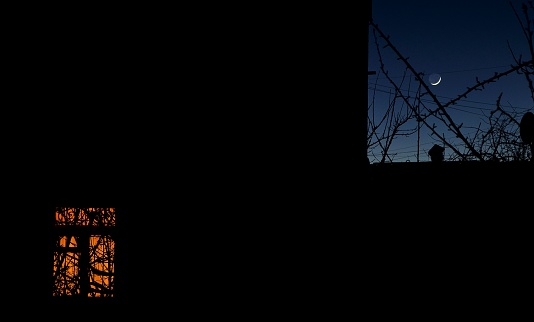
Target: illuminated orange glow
(85,217)
(83,258)
(102,265)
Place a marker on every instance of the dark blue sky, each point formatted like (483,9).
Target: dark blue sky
(460,40)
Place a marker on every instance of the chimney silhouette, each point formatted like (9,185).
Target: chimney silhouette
(436,153)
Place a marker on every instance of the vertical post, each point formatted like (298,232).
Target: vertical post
(362,110)
(84,263)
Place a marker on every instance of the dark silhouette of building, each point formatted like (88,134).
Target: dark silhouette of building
(181,248)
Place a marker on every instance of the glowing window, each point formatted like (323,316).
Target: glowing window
(84,252)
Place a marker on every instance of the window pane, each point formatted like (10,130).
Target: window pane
(84,252)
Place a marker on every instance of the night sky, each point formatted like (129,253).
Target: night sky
(459,40)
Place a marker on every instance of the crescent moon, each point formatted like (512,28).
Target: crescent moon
(435,79)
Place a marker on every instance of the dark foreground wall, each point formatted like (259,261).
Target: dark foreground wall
(448,237)
(419,231)
(468,188)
